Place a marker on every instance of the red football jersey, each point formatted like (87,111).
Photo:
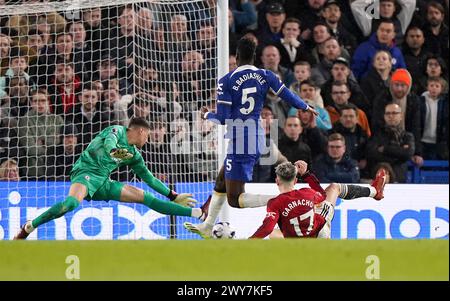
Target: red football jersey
(294,213)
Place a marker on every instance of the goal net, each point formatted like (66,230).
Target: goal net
(72,68)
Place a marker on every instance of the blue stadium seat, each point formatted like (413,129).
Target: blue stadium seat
(432,172)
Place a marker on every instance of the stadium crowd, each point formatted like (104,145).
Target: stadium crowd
(380,84)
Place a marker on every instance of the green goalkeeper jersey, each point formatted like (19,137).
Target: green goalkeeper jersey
(97,158)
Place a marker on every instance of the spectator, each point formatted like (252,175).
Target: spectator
(312,135)
(290,48)
(158,154)
(340,94)
(332,14)
(95,32)
(322,71)
(262,171)
(206,45)
(355,136)
(35,41)
(17,90)
(387,11)
(378,77)
(381,40)
(336,165)
(115,105)
(434,67)
(64,155)
(232,36)
(62,51)
(414,51)
(302,71)
(191,82)
(106,69)
(84,57)
(243,13)
(18,66)
(120,42)
(271,61)
(340,71)
(321,34)
(38,132)
(436,31)
(87,116)
(9,143)
(5,46)
(409,103)
(434,120)
(178,40)
(291,144)
(9,171)
(311,15)
(308,92)
(275,16)
(65,86)
(204,148)
(391,147)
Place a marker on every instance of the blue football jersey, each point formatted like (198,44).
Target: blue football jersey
(240,98)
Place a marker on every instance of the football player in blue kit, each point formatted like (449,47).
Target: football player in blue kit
(240,97)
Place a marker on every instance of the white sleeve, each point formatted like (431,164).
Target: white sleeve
(363,20)
(406,13)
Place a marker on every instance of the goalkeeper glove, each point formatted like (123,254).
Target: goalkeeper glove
(183,199)
(121,153)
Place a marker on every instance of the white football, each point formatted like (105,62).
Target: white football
(222,230)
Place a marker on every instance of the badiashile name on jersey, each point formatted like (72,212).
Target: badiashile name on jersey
(297,203)
(248,76)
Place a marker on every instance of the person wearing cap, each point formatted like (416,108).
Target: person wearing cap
(340,71)
(383,39)
(275,16)
(386,11)
(38,132)
(331,13)
(64,155)
(400,93)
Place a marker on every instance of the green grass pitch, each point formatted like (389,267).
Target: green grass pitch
(299,259)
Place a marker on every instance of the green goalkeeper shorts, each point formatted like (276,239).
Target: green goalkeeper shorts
(99,188)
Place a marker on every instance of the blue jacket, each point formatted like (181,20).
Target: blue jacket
(327,171)
(362,59)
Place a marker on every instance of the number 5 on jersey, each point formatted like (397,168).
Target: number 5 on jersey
(228,164)
(246,99)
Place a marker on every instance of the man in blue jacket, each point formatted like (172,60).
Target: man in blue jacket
(336,165)
(383,39)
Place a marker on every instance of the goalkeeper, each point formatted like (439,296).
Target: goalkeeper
(115,146)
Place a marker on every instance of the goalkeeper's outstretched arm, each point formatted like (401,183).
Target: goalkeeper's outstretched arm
(142,171)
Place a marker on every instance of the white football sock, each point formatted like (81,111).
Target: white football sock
(249,200)
(217,201)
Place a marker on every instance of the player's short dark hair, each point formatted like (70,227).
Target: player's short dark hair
(286,171)
(139,122)
(246,50)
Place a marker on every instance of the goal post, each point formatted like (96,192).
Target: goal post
(71,68)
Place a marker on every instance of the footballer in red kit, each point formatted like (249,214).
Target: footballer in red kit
(308,212)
